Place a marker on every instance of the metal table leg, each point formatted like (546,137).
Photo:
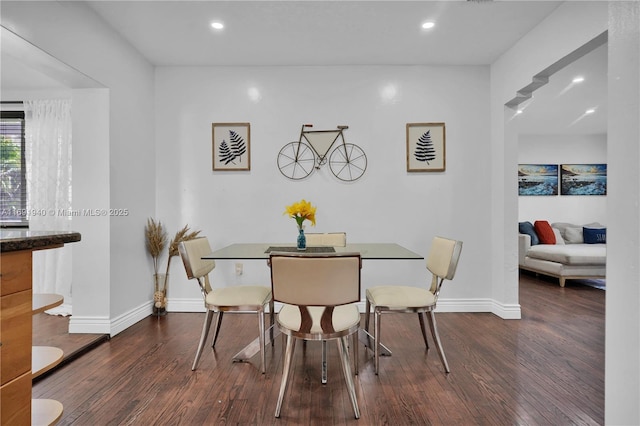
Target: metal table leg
(369,341)
(253,348)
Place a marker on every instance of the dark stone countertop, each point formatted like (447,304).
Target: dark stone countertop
(24,239)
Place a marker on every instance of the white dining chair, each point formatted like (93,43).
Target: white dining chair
(244,298)
(319,293)
(327,239)
(442,262)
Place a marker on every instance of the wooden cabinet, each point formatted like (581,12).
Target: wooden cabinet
(20,361)
(15,337)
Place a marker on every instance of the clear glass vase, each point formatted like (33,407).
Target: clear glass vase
(160,284)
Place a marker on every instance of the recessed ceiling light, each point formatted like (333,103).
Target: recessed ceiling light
(217,25)
(590,111)
(578,79)
(428,25)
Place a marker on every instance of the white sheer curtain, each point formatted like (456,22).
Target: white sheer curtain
(48,161)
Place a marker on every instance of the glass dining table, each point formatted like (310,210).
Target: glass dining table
(258,251)
(368,251)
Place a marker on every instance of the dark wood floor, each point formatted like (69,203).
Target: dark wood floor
(546,369)
(53,330)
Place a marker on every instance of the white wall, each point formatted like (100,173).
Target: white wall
(562,149)
(572,25)
(124,175)
(622,360)
(90,168)
(569,27)
(386,205)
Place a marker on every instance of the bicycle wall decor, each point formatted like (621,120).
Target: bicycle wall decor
(297,160)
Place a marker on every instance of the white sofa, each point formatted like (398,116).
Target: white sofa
(569,258)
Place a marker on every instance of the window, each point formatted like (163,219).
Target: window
(13,182)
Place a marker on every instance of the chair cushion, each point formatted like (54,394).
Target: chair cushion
(400,296)
(344,317)
(245,295)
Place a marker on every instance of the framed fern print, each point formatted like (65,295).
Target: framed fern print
(426,147)
(231,146)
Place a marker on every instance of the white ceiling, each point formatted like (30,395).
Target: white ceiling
(24,66)
(559,107)
(322,32)
(177,33)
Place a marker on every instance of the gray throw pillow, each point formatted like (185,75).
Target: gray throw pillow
(573,235)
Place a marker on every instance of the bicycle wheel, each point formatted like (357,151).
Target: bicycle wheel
(348,162)
(296,160)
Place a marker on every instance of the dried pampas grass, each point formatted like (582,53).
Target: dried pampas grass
(156,238)
(156,241)
(181,235)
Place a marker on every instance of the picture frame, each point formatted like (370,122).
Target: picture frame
(231,146)
(537,179)
(583,179)
(426,147)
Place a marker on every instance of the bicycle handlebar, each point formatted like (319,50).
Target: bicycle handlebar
(339,127)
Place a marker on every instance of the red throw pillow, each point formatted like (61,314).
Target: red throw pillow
(544,231)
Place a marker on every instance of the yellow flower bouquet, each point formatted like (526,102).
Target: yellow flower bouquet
(301,211)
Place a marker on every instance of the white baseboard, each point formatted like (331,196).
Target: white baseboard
(444,305)
(127,319)
(186,305)
(479,305)
(464,305)
(90,325)
(511,311)
(103,325)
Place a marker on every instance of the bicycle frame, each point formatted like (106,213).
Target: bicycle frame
(321,141)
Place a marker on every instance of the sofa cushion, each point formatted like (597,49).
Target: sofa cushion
(559,239)
(527,228)
(558,269)
(571,254)
(562,227)
(544,231)
(594,235)
(573,235)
